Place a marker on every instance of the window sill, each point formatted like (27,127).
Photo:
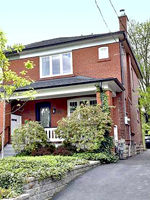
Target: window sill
(56,77)
(104,60)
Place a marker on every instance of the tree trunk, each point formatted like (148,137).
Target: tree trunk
(3,133)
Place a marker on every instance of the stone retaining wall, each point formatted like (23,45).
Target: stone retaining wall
(47,188)
(131,150)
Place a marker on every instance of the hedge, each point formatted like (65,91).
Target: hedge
(15,170)
(102,157)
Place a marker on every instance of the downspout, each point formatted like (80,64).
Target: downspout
(101,92)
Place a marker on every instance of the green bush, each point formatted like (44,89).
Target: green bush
(15,170)
(85,128)
(41,151)
(106,144)
(102,157)
(62,151)
(6,193)
(29,136)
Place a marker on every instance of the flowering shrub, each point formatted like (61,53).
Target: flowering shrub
(29,136)
(85,128)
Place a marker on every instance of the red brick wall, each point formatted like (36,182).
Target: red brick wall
(85,63)
(29,110)
(18,65)
(7,122)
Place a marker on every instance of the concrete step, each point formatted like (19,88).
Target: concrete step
(9,151)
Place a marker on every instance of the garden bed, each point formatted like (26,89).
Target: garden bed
(15,171)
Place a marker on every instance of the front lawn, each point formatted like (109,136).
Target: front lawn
(14,170)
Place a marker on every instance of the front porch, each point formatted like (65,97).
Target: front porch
(52,103)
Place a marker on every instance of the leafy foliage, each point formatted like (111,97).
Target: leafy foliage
(29,136)
(14,171)
(102,157)
(140,40)
(62,151)
(10,81)
(6,193)
(85,128)
(41,151)
(106,145)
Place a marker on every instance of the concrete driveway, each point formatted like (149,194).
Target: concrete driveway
(125,180)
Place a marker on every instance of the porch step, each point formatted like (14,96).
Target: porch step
(9,151)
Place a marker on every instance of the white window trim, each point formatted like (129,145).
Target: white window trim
(78,102)
(61,66)
(99,53)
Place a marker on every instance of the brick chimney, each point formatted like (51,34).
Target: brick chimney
(123,21)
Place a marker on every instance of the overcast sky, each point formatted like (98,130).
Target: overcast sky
(27,21)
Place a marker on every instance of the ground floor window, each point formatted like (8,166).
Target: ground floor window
(73,103)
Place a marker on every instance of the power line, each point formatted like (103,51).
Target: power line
(104,19)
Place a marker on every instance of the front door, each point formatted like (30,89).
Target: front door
(43,114)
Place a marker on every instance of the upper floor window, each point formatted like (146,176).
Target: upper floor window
(55,65)
(103,53)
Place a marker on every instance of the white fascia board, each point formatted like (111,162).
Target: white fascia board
(68,91)
(62,91)
(68,47)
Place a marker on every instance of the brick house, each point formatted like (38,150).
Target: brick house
(66,72)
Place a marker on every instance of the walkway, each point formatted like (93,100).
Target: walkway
(125,180)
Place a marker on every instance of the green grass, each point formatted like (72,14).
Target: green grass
(14,171)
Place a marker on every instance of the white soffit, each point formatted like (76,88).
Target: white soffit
(76,90)
(68,47)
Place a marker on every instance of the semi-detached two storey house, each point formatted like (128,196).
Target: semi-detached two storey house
(66,73)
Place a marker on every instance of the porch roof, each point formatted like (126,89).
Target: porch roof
(69,81)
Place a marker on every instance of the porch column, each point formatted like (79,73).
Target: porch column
(110,103)
(98,98)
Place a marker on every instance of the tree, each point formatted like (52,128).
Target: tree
(85,128)
(10,81)
(140,41)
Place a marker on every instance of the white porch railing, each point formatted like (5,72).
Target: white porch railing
(51,135)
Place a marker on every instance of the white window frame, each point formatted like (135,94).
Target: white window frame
(61,65)
(101,56)
(88,99)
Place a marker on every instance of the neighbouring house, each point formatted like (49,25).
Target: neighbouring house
(66,74)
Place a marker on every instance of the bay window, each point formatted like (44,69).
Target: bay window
(55,65)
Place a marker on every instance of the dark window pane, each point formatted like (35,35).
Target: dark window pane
(45,66)
(66,63)
(93,102)
(45,116)
(73,106)
(55,65)
(83,103)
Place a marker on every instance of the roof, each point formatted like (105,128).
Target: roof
(61,40)
(77,80)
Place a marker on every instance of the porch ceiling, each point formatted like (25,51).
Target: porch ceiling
(73,86)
